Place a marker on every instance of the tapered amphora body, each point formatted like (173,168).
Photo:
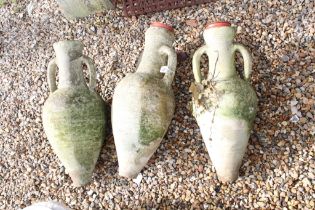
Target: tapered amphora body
(143,102)
(224,104)
(74,115)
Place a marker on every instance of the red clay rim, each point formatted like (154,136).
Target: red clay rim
(218,24)
(162,25)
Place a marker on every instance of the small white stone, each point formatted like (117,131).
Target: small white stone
(293,102)
(306,182)
(294,119)
(138,179)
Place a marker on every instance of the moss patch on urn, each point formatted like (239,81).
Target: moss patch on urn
(239,100)
(234,98)
(149,130)
(74,123)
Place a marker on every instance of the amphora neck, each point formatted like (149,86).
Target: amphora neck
(156,36)
(69,62)
(219,41)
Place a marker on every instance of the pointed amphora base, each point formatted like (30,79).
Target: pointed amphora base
(80,178)
(130,170)
(226,141)
(132,161)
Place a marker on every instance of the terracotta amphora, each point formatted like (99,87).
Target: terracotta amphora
(74,115)
(224,104)
(143,102)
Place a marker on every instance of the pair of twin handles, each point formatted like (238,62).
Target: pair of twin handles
(209,52)
(52,66)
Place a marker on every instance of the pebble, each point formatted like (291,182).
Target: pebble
(192,23)
(285,58)
(294,119)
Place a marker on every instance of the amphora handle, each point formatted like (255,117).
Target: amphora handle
(92,73)
(171,64)
(247,59)
(51,73)
(196,63)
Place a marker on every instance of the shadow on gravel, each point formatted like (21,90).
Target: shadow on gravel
(261,140)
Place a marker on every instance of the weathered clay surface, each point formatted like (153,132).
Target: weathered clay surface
(74,118)
(82,8)
(224,105)
(142,110)
(143,104)
(225,112)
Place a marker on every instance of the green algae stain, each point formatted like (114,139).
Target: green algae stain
(239,100)
(76,124)
(157,108)
(233,98)
(150,129)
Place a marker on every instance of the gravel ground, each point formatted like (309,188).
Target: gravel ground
(278,169)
